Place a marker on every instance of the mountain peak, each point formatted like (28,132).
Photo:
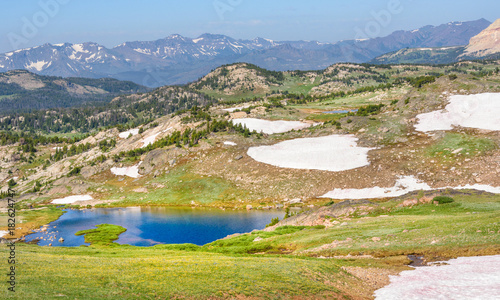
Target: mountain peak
(175,37)
(487,42)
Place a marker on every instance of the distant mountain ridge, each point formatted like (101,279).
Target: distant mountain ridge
(178,60)
(484,45)
(22,90)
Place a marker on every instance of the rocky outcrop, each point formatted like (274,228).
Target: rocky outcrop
(159,158)
(323,215)
(485,43)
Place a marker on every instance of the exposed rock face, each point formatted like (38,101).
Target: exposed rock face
(322,215)
(159,158)
(485,43)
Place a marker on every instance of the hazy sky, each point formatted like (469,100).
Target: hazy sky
(29,23)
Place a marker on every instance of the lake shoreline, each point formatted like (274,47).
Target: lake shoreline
(148,226)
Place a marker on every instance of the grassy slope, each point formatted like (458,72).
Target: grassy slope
(148,273)
(225,268)
(181,186)
(469,226)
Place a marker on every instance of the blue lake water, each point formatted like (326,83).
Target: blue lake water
(148,226)
(340,111)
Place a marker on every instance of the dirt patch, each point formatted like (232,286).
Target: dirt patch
(375,278)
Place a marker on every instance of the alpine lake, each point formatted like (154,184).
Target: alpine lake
(149,226)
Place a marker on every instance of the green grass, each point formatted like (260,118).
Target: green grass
(233,268)
(454,144)
(103,235)
(181,187)
(297,85)
(245,243)
(31,219)
(325,117)
(152,273)
(453,228)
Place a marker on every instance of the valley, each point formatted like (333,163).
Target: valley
(366,180)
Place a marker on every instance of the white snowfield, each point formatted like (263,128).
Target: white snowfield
(330,153)
(236,108)
(152,138)
(404,184)
(39,65)
(132,172)
(271,127)
(230,143)
(72,199)
(126,134)
(463,278)
(480,111)
(3,232)
(149,140)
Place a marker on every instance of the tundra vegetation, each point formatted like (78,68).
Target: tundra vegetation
(331,250)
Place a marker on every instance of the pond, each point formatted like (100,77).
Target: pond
(148,226)
(340,111)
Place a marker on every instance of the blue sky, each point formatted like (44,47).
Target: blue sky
(29,23)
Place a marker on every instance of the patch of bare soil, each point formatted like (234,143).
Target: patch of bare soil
(373,278)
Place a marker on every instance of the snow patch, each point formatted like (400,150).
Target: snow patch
(132,172)
(236,46)
(90,57)
(404,185)
(126,134)
(232,109)
(39,65)
(3,232)
(143,51)
(149,140)
(330,153)
(461,278)
(475,111)
(197,40)
(70,66)
(79,48)
(72,199)
(271,127)
(230,143)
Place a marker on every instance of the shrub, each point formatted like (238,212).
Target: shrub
(418,82)
(443,199)
(274,221)
(75,171)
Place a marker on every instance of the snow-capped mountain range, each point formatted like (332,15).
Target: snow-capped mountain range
(177,59)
